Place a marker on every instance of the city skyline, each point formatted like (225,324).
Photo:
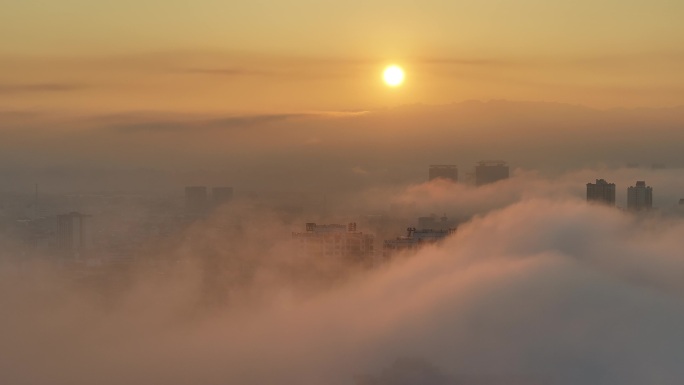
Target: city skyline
(313,192)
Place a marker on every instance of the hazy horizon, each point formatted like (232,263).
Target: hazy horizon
(326,152)
(341,193)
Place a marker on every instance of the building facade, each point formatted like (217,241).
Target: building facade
(490,171)
(433,222)
(414,240)
(601,192)
(74,235)
(336,241)
(640,197)
(443,171)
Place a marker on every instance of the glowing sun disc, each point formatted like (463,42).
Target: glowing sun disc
(393,76)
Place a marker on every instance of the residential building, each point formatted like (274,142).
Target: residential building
(601,191)
(640,197)
(490,171)
(74,235)
(443,171)
(336,241)
(414,240)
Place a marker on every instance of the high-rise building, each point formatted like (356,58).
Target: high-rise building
(639,197)
(490,171)
(443,171)
(74,234)
(601,191)
(196,200)
(221,195)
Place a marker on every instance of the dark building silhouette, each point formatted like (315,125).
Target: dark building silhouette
(640,197)
(443,171)
(196,199)
(221,195)
(490,171)
(601,191)
(414,240)
(74,234)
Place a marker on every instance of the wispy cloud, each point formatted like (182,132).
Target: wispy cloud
(229,71)
(11,89)
(133,124)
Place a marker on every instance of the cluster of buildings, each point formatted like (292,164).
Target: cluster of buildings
(70,233)
(338,241)
(486,171)
(344,242)
(118,226)
(414,239)
(639,196)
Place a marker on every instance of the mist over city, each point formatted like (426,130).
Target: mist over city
(367,193)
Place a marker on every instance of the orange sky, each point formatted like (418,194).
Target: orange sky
(303,55)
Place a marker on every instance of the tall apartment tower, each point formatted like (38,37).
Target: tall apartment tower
(221,195)
(74,234)
(490,171)
(196,200)
(640,197)
(601,191)
(443,171)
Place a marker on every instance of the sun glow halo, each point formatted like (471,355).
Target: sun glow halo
(393,76)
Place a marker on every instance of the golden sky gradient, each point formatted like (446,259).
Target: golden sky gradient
(303,55)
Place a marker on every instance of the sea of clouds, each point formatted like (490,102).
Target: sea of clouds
(536,287)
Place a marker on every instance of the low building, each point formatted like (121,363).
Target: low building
(74,235)
(414,240)
(336,241)
(436,223)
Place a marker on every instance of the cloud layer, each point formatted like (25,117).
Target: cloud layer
(541,288)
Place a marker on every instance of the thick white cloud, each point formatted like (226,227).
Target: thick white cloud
(540,288)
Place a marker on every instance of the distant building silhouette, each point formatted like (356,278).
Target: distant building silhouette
(221,195)
(74,234)
(436,223)
(490,171)
(340,241)
(443,171)
(196,200)
(601,192)
(640,197)
(414,240)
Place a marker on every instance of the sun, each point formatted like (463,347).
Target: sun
(393,76)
